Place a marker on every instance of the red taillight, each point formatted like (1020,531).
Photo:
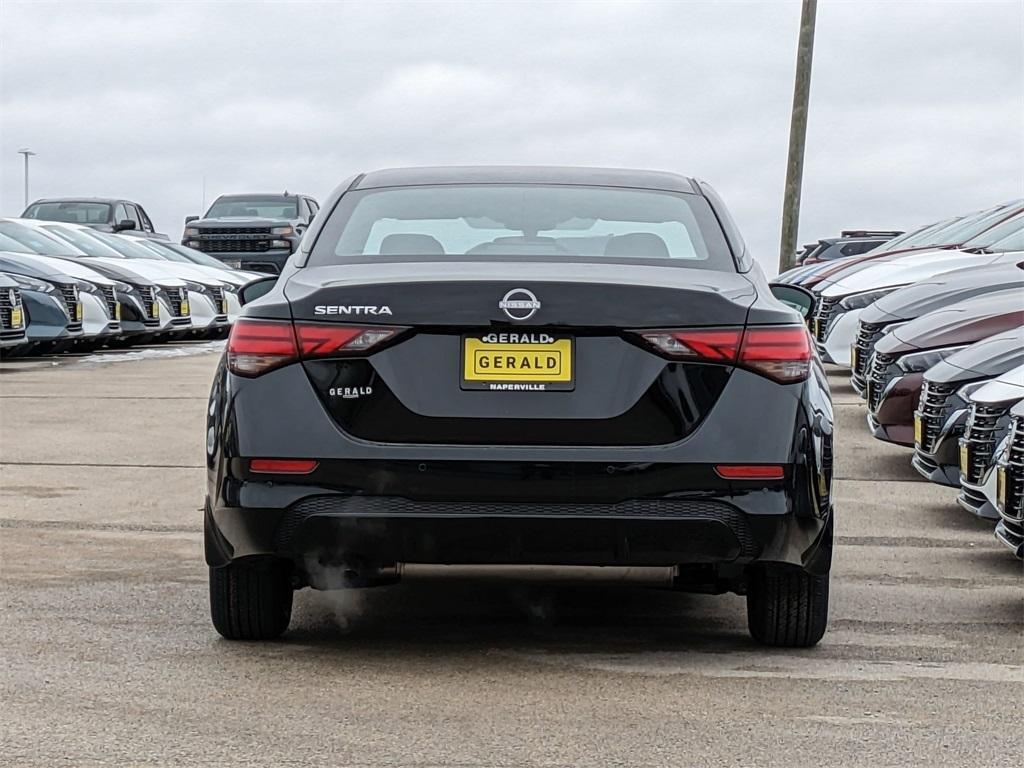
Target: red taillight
(782,353)
(750,471)
(712,344)
(282,466)
(258,346)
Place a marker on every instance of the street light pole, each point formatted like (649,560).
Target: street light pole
(27,153)
(797,136)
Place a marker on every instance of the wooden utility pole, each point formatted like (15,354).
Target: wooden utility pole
(797,136)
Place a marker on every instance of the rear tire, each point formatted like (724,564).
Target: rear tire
(786,606)
(251,601)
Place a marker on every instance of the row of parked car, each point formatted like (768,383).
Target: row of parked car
(931,325)
(69,286)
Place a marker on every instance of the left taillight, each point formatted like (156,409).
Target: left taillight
(782,353)
(258,346)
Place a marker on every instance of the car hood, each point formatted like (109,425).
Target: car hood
(7,282)
(962,323)
(903,270)
(836,269)
(151,269)
(1009,387)
(240,221)
(984,359)
(942,290)
(114,272)
(76,269)
(31,265)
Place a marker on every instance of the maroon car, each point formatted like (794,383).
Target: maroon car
(897,368)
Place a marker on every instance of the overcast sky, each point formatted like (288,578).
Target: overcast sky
(917,108)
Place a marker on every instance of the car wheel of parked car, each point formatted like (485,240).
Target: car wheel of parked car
(251,601)
(787,606)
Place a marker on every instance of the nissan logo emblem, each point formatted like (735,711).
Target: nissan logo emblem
(519,304)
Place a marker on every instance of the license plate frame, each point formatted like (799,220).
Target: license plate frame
(918,430)
(17,318)
(965,458)
(1001,488)
(559,374)
(854,357)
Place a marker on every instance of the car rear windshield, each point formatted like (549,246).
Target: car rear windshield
(74,212)
(255,207)
(530,222)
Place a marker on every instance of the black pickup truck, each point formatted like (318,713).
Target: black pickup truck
(253,232)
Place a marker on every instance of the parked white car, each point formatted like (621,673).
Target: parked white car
(984,439)
(837,315)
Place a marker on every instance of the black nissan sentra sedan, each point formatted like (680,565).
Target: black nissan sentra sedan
(495,366)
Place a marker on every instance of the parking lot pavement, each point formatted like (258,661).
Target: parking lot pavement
(109,656)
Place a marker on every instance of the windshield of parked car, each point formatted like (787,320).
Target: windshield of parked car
(533,222)
(999,232)
(259,207)
(12,245)
(83,240)
(972,226)
(127,248)
(70,211)
(160,251)
(37,241)
(1013,242)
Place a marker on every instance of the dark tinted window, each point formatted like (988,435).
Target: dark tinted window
(133,215)
(79,213)
(526,221)
(259,206)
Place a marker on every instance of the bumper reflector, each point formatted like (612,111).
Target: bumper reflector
(282,466)
(749,471)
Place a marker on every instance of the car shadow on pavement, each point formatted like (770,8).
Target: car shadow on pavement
(439,613)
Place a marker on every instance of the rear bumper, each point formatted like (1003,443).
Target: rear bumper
(311,525)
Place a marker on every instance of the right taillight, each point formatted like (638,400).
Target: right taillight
(258,346)
(782,353)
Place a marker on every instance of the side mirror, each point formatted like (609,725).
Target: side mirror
(795,297)
(258,288)
(124,224)
(190,219)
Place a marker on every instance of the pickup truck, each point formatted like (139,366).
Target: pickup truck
(105,214)
(252,232)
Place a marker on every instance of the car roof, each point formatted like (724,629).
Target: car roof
(526,174)
(260,195)
(111,200)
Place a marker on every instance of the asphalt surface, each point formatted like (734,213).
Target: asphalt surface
(108,656)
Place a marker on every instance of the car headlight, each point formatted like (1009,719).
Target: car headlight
(31,284)
(192,244)
(191,232)
(965,392)
(84,286)
(196,287)
(922,361)
(282,230)
(280,244)
(861,300)
(893,326)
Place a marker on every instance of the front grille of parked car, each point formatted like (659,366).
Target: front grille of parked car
(933,410)
(69,294)
(219,299)
(867,335)
(111,298)
(175,297)
(1014,510)
(980,436)
(234,239)
(822,317)
(10,299)
(150,305)
(877,377)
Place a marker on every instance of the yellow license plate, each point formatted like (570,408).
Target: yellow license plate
(815,327)
(918,430)
(17,318)
(1001,488)
(156,309)
(78,312)
(517,362)
(117,311)
(964,458)
(855,357)
(184,308)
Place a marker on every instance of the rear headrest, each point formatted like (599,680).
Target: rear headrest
(643,245)
(410,245)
